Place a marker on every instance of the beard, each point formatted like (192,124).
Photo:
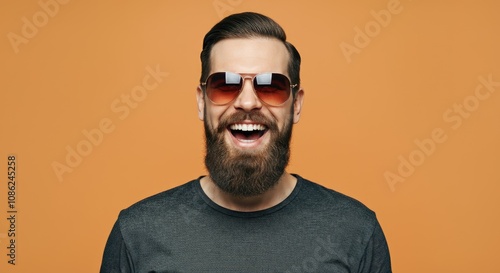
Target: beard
(247,173)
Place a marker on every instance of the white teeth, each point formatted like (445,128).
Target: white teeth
(248,127)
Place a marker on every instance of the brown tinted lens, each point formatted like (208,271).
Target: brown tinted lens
(272,88)
(223,87)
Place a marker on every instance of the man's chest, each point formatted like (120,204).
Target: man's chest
(243,250)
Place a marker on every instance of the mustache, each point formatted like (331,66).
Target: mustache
(240,116)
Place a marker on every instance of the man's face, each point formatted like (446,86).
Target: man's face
(247,163)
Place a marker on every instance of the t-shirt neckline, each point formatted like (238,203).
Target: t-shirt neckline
(251,214)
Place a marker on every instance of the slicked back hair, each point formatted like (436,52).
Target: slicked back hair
(249,25)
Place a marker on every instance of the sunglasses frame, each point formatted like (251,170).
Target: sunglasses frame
(243,77)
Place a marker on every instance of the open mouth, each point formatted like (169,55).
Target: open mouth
(245,132)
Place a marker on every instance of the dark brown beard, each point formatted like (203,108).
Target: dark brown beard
(249,173)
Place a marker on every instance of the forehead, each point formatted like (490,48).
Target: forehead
(249,55)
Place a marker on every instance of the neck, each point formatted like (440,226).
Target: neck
(268,199)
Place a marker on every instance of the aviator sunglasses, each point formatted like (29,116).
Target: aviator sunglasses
(271,88)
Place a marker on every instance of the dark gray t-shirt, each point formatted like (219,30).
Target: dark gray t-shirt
(315,229)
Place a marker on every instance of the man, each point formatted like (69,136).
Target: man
(248,214)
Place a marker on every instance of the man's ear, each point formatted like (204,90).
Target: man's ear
(200,100)
(297,105)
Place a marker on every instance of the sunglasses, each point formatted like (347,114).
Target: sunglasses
(271,88)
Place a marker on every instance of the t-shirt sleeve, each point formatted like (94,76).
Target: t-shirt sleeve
(116,257)
(376,258)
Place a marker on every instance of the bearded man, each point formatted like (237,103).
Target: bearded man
(248,214)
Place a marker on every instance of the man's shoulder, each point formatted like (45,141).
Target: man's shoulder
(160,203)
(332,202)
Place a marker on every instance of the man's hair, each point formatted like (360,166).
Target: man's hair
(249,25)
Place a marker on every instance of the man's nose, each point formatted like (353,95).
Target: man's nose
(247,100)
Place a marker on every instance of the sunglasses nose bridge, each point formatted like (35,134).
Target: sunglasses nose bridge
(247,98)
(244,80)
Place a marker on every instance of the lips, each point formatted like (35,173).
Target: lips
(247,132)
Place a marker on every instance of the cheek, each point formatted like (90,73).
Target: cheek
(282,116)
(213,115)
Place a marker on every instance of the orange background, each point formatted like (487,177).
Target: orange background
(359,119)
